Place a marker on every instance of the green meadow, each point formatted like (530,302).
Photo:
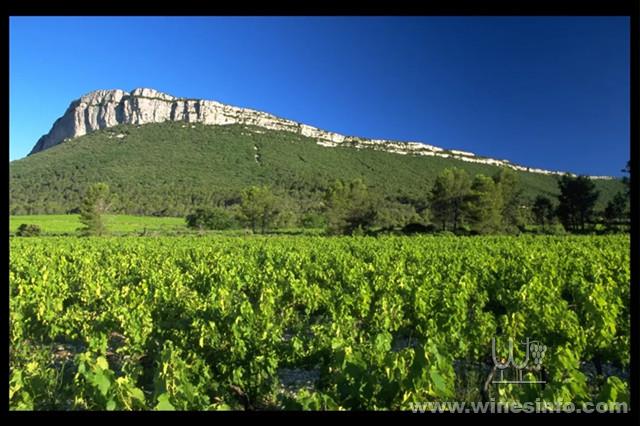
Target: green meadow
(69,223)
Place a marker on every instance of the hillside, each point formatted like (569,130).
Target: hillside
(169,168)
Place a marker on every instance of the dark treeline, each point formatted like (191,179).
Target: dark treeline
(456,204)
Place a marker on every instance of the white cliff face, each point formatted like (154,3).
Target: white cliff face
(107,108)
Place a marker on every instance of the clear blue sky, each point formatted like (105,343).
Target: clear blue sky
(550,92)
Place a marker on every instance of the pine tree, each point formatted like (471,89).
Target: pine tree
(449,196)
(576,202)
(511,195)
(351,208)
(259,207)
(485,206)
(95,204)
(615,211)
(543,211)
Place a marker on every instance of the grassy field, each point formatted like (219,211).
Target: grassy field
(68,224)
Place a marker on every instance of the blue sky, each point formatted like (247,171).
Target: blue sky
(550,92)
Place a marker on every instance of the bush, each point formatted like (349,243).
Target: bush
(351,208)
(216,218)
(418,228)
(313,220)
(260,208)
(393,214)
(25,230)
(556,229)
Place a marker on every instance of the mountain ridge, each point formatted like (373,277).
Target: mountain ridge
(102,109)
(172,168)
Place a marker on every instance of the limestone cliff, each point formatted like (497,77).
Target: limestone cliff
(106,108)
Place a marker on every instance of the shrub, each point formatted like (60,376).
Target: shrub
(556,229)
(351,208)
(25,230)
(418,228)
(313,220)
(215,218)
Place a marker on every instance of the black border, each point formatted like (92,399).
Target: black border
(332,8)
(629,8)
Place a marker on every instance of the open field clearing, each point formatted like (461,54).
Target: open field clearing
(69,223)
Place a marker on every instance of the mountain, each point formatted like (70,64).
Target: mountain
(165,155)
(103,109)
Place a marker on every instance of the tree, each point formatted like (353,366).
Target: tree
(508,186)
(350,207)
(448,197)
(614,212)
(258,207)
(543,211)
(313,220)
(393,214)
(213,218)
(626,179)
(577,200)
(484,207)
(96,202)
(288,211)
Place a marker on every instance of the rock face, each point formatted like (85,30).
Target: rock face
(107,108)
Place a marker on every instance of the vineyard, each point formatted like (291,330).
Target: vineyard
(313,323)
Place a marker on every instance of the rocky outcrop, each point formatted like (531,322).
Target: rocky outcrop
(107,108)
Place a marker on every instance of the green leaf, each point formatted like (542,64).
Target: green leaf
(102,363)
(102,382)
(137,393)
(440,383)
(383,342)
(164,404)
